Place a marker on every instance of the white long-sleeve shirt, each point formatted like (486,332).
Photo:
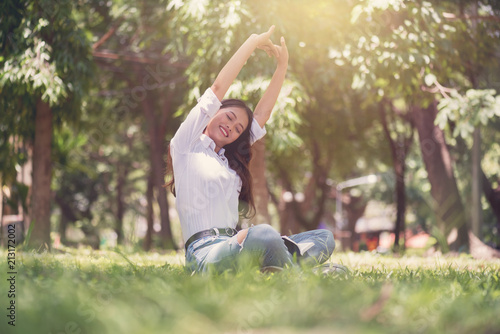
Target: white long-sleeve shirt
(207,189)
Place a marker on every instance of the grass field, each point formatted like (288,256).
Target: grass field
(106,292)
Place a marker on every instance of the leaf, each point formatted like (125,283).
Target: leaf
(430,79)
(441,119)
(356,12)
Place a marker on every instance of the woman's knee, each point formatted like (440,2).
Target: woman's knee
(265,245)
(330,241)
(327,239)
(241,236)
(263,235)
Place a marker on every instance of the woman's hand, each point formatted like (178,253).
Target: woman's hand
(264,42)
(266,104)
(283,53)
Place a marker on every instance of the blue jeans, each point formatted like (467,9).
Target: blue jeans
(263,247)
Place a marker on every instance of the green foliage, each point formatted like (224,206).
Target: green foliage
(395,46)
(346,58)
(45,54)
(475,108)
(109,292)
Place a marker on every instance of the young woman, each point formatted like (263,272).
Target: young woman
(210,156)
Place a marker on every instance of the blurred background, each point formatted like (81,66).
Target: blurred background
(386,130)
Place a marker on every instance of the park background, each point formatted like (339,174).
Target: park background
(388,120)
(399,96)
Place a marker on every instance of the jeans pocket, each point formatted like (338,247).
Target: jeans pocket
(200,243)
(198,250)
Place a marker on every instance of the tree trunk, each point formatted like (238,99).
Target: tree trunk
(260,193)
(148,239)
(476,207)
(399,148)
(309,211)
(63,226)
(27,179)
(120,207)
(288,225)
(448,206)
(67,216)
(479,250)
(157,138)
(288,222)
(1,211)
(167,240)
(493,197)
(42,176)
(355,208)
(399,227)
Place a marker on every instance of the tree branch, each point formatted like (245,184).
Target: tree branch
(166,110)
(385,127)
(107,35)
(142,60)
(451,17)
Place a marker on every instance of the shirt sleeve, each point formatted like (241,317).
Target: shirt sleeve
(256,132)
(196,121)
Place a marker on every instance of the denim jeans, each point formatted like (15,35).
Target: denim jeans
(263,247)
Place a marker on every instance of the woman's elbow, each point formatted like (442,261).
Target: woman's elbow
(216,88)
(261,119)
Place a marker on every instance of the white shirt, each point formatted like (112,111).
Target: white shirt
(207,189)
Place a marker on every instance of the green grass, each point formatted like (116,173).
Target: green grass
(106,292)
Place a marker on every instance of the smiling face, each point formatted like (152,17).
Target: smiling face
(227,125)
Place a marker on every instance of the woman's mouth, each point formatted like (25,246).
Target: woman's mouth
(224,131)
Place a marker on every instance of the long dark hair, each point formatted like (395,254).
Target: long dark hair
(238,154)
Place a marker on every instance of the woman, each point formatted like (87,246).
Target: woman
(210,155)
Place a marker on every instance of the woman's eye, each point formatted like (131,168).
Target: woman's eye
(229,118)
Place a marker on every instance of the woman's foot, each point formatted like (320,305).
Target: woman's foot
(271,269)
(331,269)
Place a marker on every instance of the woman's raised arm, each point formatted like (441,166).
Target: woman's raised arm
(230,71)
(268,100)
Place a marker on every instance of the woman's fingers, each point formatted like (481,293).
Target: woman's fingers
(273,49)
(270,31)
(283,51)
(283,45)
(266,44)
(270,49)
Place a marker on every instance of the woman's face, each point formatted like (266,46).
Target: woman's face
(226,126)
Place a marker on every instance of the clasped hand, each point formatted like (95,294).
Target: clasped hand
(279,51)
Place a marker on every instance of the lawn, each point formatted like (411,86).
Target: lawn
(106,292)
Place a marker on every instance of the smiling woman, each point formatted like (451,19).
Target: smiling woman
(210,154)
(230,123)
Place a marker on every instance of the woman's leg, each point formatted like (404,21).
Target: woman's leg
(259,245)
(322,248)
(264,245)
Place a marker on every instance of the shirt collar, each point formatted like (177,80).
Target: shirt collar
(207,142)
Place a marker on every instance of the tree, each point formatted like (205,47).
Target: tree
(468,105)
(143,78)
(324,124)
(401,46)
(46,64)
(400,139)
